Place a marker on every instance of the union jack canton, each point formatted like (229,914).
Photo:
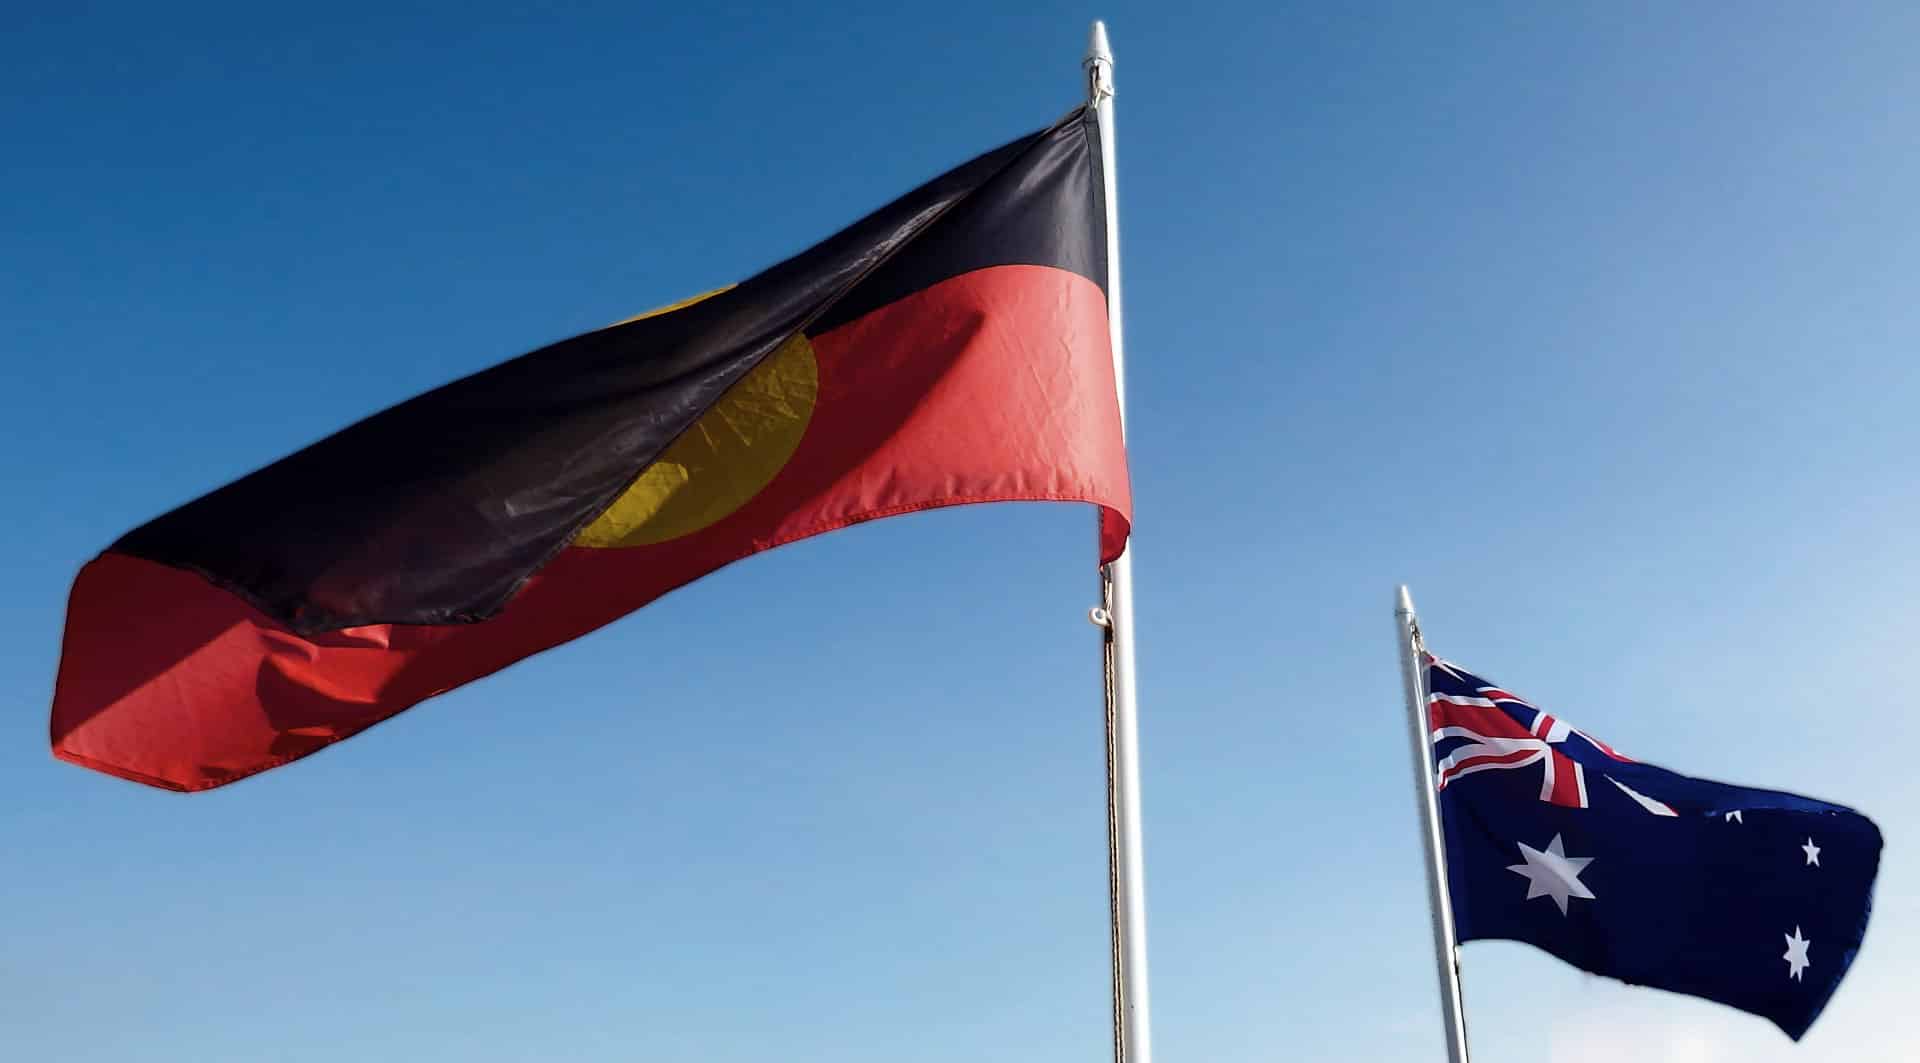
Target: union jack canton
(1479,727)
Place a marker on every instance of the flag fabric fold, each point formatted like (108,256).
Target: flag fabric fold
(1753,898)
(952,347)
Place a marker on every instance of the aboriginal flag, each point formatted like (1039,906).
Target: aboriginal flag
(951,347)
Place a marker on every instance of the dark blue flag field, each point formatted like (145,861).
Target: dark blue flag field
(1753,898)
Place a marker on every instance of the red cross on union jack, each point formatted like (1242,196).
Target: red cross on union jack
(1504,733)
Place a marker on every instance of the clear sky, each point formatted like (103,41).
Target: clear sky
(1595,324)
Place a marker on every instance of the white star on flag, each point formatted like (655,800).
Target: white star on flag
(1735,817)
(1813,853)
(1552,873)
(1796,955)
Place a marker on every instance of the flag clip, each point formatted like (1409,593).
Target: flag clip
(1099,616)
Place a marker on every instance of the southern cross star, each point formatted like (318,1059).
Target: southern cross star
(1552,873)
(1813,853)
(1796,955)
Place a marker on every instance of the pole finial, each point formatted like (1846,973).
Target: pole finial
(1098,64)
(1098,50)
(1403,602)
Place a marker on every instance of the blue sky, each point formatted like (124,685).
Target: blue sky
(1592,323)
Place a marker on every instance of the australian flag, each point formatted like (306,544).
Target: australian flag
(1754,898)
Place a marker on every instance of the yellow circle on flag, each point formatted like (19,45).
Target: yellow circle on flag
(729,455)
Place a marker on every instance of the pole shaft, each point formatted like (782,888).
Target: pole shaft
(1132,1033)
(1446,953)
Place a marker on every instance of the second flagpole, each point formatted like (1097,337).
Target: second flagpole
(1446,952)
(1132,1040)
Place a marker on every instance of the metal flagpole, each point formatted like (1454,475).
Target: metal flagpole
(1446,953)
(1126,879)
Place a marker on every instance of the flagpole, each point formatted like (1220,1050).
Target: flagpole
(1126,878)
(1446,953)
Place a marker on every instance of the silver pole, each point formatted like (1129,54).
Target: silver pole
(1446,953)
(1132,1040)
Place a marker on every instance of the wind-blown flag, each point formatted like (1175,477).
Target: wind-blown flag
(952,347)
(1753,898)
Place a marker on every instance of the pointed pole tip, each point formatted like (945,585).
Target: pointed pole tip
(1097,47)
